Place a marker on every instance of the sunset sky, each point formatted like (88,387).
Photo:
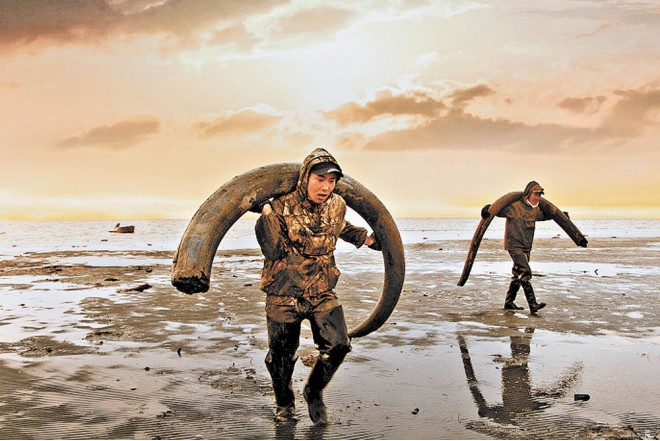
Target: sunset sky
(140,109)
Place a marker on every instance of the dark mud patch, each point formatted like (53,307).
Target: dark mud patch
(98,336)
(41,346)
(603,431)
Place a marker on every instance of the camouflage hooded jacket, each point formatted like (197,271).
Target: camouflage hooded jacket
(521,220)
(298,238)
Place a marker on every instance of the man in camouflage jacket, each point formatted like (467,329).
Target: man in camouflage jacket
(297,234)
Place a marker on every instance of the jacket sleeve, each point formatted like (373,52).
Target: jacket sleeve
(504,212)
(272,236)
(353,234)
(543,216)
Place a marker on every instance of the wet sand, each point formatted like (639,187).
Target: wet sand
(100,345)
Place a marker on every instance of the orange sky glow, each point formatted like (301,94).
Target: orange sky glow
(140,109)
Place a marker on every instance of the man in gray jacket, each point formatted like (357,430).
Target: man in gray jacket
(521,217)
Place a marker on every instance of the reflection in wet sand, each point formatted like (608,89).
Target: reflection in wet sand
(288,430)
(518,396)
(526,411)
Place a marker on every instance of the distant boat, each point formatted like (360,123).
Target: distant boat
(125,229)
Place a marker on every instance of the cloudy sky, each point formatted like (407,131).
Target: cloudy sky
(136,109)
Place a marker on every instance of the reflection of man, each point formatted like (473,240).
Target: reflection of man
(297,233)
(521,217)
(517,395)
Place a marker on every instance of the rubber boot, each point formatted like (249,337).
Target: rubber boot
(534,306)
(514,286)
(319,377)
(280,368)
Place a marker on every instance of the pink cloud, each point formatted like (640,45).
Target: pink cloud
(244,121)
(120,135)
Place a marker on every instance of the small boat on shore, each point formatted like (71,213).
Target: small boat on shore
(124,229)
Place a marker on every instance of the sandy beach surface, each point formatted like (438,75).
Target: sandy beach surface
(100,345)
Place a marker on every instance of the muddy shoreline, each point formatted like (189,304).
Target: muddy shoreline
(95,350)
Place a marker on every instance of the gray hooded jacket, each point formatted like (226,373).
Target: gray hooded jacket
(521,220)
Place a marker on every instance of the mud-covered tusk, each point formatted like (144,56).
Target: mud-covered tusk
(546,206)
(192,265)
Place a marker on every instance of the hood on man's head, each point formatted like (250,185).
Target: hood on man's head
(532,187)
(316,158)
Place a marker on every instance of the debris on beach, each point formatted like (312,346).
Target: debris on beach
(139,288)
(109,333)
(50,269)
(124,229)
(604,431)
(581,397)
(308,359)
(250,373)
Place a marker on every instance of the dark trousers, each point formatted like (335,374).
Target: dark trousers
(330,337)
(521,269)
(522,276)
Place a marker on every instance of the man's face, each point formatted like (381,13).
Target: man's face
(535,197)
(320,187)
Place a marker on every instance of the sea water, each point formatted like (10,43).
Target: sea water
(17,238)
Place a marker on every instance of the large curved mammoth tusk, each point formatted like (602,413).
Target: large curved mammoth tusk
(550,210)
(495,208)
(193,260)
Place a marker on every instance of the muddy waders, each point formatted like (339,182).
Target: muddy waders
(281,372)
(534,306)
(280,361)
(324,368)
(522,274)
(330,337)
(514,287)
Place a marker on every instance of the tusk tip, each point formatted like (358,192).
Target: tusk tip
(191,285)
